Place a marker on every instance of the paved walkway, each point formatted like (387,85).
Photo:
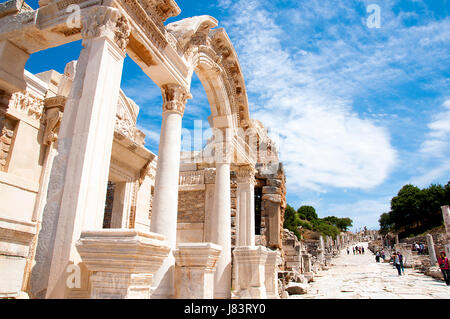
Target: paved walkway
(360,276)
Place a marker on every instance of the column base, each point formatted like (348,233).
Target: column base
(271,274)
(15,240)
(121,262)
(250,262)
(195,264)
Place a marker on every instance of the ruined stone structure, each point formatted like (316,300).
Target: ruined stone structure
(89,212)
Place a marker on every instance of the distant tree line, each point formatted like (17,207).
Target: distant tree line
(307,218)
(414,210)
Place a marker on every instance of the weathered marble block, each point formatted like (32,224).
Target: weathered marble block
(195,264)
(15,239)
(271,273)
(250,261)
(122,261)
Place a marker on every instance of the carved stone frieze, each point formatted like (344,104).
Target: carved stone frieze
(209,175)
(106,21)
(174,98)
(191,178)
(27,104)
(191,33)
(146,18)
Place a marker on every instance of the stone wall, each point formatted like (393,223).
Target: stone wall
(191,207)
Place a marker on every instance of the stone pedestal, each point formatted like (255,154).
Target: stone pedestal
(122,262)
(195,264)
(250,262)
(271,274)
(15,239)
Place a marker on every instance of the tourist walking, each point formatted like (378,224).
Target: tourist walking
(362,250)
(377,257)
(383,255)
(353,250)
(421,248)
(443,265)
(348,251)
(396,262)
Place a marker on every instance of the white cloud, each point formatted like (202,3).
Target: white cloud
(436,148)
(322,141)
(149,134)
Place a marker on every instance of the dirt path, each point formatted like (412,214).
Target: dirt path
(360,276)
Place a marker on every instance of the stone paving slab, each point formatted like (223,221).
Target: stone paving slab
(361,277)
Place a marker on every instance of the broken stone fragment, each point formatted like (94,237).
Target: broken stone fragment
(276,198)
(297,288)
(271,190)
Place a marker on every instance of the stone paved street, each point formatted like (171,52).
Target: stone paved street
(360,276)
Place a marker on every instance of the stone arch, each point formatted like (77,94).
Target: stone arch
(211,55)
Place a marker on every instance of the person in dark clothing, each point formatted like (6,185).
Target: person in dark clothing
(396,262)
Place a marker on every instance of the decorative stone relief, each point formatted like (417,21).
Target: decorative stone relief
(146,17)
(53,116)
(191,178)
(27,104)
(106,21)
(174,98)
(191,33)
(124,123)
(210,175)
(246,174)
(7,127)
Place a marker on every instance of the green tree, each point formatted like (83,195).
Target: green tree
(308,212)
(342,223)
(385,222)
(431,199)
(405,208)
(291,221)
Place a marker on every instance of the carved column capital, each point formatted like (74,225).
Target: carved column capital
(54,108)
(175,97)
(106,21)
(245,174)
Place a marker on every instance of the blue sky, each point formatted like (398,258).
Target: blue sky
(357,112)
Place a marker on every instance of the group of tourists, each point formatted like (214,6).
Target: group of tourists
(397,261)
(420,248)
(358,250)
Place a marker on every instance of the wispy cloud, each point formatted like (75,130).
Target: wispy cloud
(323,142)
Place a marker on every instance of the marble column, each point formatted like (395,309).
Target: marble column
(431,251)
(446,215)
(245,206)
(221,219)
(165,200)
(79,176)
